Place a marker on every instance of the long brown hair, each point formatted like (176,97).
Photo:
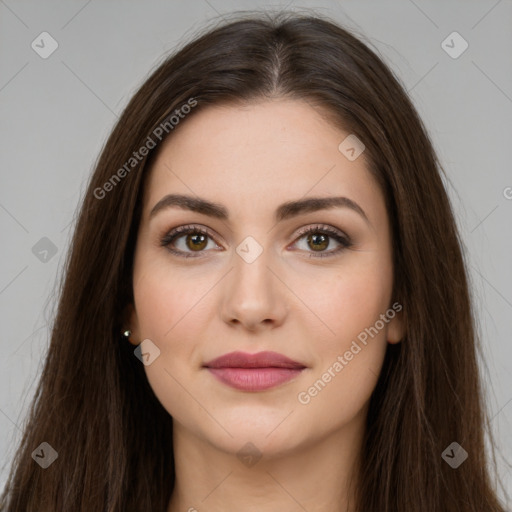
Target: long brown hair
(94,405)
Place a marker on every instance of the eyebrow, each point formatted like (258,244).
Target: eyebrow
(283,212)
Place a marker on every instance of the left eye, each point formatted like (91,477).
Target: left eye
(195,239)
(320,239)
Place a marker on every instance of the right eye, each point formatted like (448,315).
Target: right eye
(195,239)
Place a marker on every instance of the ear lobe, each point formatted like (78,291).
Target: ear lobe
(396,328)
(131,322)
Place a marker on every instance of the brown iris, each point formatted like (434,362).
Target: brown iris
(319,241)
(196,242)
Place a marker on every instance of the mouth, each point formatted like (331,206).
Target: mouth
(254,372)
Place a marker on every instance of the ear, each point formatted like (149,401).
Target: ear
(396,326)
(131,321)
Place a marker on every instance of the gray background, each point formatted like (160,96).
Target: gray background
(55,114)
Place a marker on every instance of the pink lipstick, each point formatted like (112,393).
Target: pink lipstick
(254,372)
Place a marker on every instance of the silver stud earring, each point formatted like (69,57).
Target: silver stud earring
(127,333)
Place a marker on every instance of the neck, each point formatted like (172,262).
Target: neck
(320,477)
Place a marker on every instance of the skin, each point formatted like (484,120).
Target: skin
(251,159)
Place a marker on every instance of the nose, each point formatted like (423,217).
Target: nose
(254,297)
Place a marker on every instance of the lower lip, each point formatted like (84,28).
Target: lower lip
(254,379)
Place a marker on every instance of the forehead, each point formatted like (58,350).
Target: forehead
(258,154)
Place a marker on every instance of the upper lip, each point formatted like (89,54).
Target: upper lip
(265,359)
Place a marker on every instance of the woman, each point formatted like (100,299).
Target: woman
(265,305)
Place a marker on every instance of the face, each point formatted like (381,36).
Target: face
(249,275)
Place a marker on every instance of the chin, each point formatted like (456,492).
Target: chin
(268,433)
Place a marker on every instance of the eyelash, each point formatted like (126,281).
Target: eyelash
(176,233)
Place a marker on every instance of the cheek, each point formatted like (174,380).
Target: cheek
(350,356)
(347,302)
(166,306)
(163,298)
(340,391)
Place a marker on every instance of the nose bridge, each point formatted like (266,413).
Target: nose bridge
(251,271)
(253,294)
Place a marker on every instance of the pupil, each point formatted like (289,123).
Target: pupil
(319,241)
(198,241)
(322,244)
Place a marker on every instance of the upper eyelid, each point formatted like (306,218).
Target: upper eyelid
(182,230)
(321,227)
